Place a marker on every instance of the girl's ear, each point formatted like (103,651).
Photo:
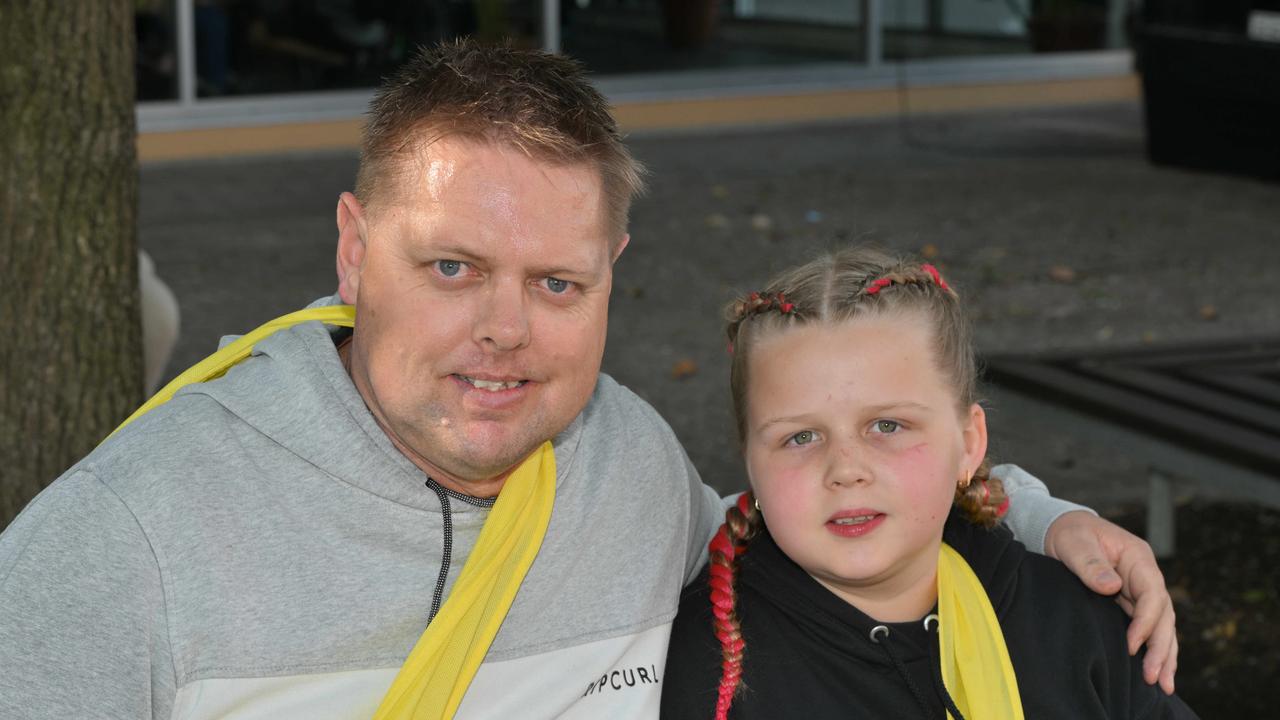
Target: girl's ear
(975,440)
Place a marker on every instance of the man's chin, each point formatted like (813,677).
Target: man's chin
(493,454)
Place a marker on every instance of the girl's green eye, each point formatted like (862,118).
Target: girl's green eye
(886,426)
(804,437)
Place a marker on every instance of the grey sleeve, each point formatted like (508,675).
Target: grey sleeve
(82,611)
(705,516)
(1031,508)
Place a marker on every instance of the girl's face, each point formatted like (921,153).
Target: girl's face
(854,448)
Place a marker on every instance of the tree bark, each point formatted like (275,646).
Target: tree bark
(70,333)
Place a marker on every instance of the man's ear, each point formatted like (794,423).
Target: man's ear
(622,245)
(352,235)
(975,440)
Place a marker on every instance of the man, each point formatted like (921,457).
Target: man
(274,542)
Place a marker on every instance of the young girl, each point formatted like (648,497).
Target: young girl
(864,576)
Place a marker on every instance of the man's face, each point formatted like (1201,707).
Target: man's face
(481,286)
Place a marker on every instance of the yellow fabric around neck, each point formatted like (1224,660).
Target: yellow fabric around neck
(432,681)
(434,678)
(217,364)
(975,661)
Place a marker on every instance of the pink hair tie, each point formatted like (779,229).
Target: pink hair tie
(937,276)
(879,285)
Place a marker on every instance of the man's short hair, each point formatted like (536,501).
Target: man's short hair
(539,103)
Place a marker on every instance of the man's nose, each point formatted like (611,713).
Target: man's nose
(502,320)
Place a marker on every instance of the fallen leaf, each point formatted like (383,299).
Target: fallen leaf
(1225,630)
(719,192)
(683,369)
(717,221)
(1105,332)
(1208,312)
(929,252)
(1149,336)
(636,292)
(1254,596)
(1062,273)
(761,222)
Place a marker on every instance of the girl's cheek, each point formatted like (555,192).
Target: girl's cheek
(781,487)
(923,482)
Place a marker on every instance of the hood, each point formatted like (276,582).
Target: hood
(294,390)
(829,621)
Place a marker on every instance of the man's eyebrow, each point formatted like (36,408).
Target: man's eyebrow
(561,269)
(457,251)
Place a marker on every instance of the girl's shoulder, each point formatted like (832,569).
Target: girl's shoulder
(692,676)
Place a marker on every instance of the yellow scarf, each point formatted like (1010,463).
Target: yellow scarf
(217,364)
(436,675)
(432,681)
(975,662)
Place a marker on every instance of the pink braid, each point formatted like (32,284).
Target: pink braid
(729,542)
(876,286)
(937,276)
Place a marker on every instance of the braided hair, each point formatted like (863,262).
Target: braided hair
(851,283)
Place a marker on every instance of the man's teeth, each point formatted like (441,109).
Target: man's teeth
(491,386)
(855,520)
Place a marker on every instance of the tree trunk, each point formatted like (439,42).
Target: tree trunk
(70,334)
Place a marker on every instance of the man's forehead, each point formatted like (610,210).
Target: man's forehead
(433,162)
(482,200)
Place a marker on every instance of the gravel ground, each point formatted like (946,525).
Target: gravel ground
(1051,222)
(1225,584)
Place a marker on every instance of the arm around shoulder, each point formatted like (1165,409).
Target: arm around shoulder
(1031,508)
(83,629)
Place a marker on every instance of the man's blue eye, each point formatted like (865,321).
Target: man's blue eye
(557,285)
(449,268)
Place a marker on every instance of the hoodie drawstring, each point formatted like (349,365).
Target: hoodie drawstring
(880,632)
(446,553)
(936,665)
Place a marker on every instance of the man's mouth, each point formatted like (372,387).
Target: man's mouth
(491,385)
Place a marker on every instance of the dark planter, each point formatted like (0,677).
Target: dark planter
(690,24)
(1212,99)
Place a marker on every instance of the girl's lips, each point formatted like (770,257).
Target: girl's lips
(855,524)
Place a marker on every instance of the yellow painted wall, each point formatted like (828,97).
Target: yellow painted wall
(676,114)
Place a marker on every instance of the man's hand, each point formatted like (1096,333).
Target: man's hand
(1110,560)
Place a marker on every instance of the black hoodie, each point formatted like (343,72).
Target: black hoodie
(809,654)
